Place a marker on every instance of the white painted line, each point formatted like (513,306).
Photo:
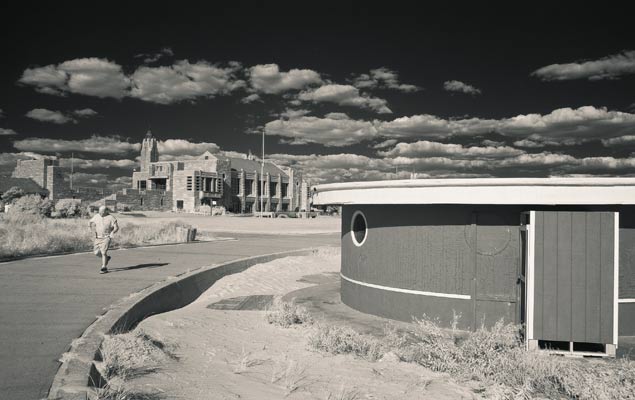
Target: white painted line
(530,278)
(616,276)
(626,300)
(408,291)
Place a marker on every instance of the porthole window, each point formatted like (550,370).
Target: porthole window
(359,228)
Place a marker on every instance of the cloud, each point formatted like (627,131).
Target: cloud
(182,147)
(267,78)
(290,113)
(85,112)
(251,98)
(326,131)
(345,95)
(80,163)
(434,149)
(382,78)
(88,76)
(460,87)
(10,159)
(562,125)
(94,144)
(149,58)
(44,115)
(619,141)
(183,81)
(610,67)
(385,143)
(7,132)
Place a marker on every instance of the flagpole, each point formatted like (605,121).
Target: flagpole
(262,172)
(72,161)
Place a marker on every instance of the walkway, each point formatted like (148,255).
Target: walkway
(45,303)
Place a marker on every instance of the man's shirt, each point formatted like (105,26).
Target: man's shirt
(103,225)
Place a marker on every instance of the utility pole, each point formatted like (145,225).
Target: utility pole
(72,160)
(262,172)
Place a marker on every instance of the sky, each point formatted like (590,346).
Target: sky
(344,92)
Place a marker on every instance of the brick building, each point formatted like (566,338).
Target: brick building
(46,173)
(236,183)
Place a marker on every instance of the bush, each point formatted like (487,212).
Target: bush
(285,314)
(12,194)
(344,340)
(32,205)
(68,208)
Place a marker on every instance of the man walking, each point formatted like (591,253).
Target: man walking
(104,226)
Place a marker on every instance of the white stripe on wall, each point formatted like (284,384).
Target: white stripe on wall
(626,300)
(530,278)
(408,291)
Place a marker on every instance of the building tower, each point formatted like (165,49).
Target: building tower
(149,151)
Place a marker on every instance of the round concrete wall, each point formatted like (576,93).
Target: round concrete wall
(404,261)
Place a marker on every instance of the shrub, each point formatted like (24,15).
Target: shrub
(285,314)
(12,194)
(68,208)
(344,340)
(32,205)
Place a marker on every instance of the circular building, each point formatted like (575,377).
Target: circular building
(555,254)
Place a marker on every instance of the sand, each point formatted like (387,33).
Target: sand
(238,355)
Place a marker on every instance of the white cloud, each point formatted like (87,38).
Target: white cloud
(385,143)
(85,112)
(94,144)
(251,98)
(460,87)
(268,78)
(610,67)
(181,147)
(382,78)
(290,113)
(149,58)
(80,163)
(44,115)
(345,95)
(434,149)
(7,132)
(326,131)
(183,81)
(618,141)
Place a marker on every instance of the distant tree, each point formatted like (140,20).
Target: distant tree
(68,208)
(12,194)
(32,205)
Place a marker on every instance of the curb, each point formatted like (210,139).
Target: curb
(77,377)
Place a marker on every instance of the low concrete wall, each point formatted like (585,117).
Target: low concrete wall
(77,376)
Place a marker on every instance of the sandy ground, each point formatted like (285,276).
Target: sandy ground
(218,223)
(238,355)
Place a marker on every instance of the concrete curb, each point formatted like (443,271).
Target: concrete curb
(78,377)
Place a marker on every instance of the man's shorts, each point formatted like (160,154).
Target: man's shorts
(101,245)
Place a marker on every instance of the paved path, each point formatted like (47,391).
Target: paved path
(45,303)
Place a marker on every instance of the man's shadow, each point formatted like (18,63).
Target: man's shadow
(138,266)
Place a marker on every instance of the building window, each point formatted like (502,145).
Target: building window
(273,189)
(141,201)
(249,187)
(142,185)
(284,189)
(359,228)
(180,166)
(179,204)
(161,201)
(189,183)
(198,183)
(235,186)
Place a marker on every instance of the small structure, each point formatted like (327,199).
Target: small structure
(555,254)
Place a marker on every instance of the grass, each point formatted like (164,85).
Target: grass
(495,357)
(286,314)
(27,235)
(291,375)
(126,356)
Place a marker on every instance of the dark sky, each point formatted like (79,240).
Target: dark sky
(493,50)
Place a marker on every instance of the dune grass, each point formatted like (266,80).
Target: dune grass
(27,235)
(495,357)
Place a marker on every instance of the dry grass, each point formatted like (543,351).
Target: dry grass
(131,354)
(285,314)
(27,235)
(494,356)
(291,375)
(344,340)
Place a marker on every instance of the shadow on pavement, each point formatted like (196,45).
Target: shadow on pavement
(138,266)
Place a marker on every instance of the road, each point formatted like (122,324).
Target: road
(47,302)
